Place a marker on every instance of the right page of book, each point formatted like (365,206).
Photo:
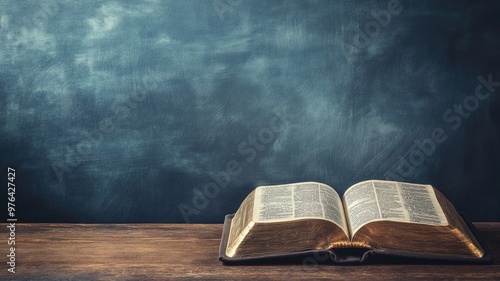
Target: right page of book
(376,200)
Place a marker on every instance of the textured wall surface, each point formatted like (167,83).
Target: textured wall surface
(173,111)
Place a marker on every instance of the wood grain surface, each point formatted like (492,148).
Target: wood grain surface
(189,251)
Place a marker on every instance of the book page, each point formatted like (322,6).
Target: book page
(394,201)
(298,201)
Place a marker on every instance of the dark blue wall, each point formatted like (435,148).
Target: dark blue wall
(159,111)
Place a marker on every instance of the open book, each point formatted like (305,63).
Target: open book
(373,217)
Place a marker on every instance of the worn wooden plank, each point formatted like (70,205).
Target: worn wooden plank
(189,251)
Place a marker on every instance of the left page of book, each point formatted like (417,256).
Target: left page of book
(308,200)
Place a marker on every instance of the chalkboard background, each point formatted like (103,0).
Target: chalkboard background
(173,111)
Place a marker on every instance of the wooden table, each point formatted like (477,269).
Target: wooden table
(189,251)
